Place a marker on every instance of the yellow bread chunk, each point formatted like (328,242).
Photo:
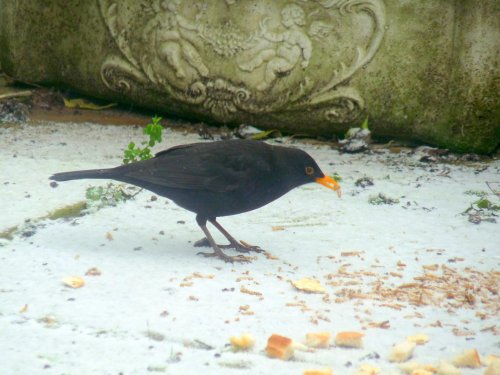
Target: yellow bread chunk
(73,282)
(468,358)
(367,370)
(489,359)
(318,340)
(409,368)
(326,371)
(493,366)
(402,351)
(446,368)
(422,371)
(419,339)
(309,285)
(349,339)
(279,347)
(243,342)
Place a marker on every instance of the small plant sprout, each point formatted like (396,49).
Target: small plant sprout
(103,196)
(135,153)
(364,125)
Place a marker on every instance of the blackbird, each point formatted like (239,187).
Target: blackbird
(218,179)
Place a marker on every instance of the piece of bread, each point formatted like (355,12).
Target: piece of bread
(468,358)
(73,282)
(349,339)
(419,338)
(402,351)
(326,371)
(309,285)
(367,370)
(410,368)
(493,366)
(422,371)
(446,368)
(243,342)
(318,340)
(280,347)
(490,358)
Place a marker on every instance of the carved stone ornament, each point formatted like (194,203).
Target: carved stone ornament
(221,58)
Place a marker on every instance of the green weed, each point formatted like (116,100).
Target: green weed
(103,196)
(135,153)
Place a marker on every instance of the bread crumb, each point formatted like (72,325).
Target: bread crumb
(446,368)
(243,342)
(419,339)
(489,359)
(402,351)
(327,371)
(468,358)
(94,271)
(493,367)
(422,372)
(367,370)
(318,340)
(309,285)
(73,282)
(245,290)
(410,367)
(349,339)
(280,347)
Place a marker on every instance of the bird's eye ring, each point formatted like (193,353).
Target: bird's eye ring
(309,171)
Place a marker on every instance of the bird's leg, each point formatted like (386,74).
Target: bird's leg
(202,222)
(240,246)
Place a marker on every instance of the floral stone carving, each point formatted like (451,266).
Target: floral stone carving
(312,67)
(225,59)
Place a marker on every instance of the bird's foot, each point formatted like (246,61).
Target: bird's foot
(241,246)
(226,258)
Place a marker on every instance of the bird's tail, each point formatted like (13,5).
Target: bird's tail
(78,175)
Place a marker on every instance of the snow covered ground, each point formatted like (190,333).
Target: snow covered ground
(389,270)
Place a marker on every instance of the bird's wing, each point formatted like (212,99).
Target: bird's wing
(198,168)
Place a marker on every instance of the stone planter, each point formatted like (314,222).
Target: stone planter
(420,70)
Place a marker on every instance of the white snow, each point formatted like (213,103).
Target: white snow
(137,318)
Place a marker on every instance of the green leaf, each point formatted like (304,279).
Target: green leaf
(85,104)
(483,203)
(275,133)
(364,125)
(154,131)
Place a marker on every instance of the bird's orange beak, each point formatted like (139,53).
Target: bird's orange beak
(330,183)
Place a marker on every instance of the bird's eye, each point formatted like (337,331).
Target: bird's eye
(309,171)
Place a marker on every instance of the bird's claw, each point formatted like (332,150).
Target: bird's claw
(241,246)
(244,247)
(226,258)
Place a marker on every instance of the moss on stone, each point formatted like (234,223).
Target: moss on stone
(72,210)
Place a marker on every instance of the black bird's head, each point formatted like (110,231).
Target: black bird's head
(299,168)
